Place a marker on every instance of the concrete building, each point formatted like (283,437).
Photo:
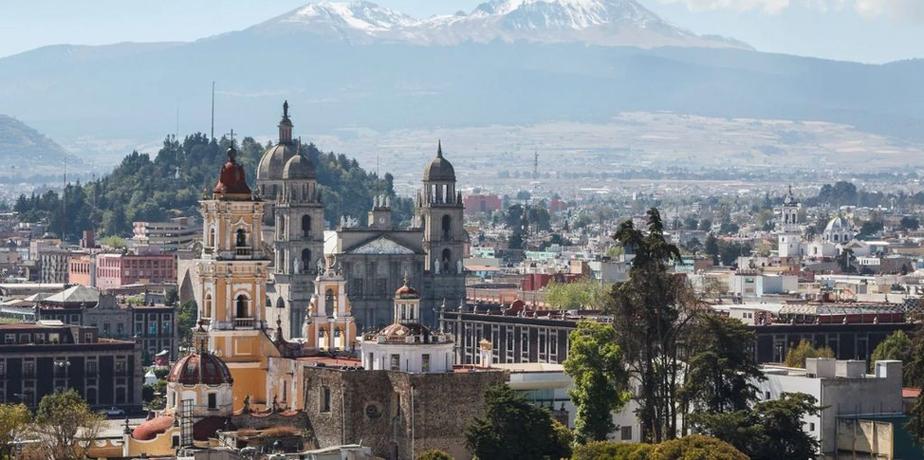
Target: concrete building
(177,233)
(54,265)
(81,269)
(117,270)
(755,284)
(843,390)
(37,359)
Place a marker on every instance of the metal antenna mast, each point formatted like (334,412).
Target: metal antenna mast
(213,110)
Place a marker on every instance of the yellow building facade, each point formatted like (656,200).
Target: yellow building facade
(232,273)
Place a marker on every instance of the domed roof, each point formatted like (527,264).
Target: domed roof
(837,224)
(149,429)
(273,162)
(298,167)
(231,179)
(398,333)
(196,368)
(406,292)
(440,169)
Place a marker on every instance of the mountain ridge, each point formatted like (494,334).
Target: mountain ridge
(592,22)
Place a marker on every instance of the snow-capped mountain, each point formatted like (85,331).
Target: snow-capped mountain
(597,22)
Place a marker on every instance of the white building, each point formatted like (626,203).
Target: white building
(175,234)
(842,388)
(753,284)
(407,345)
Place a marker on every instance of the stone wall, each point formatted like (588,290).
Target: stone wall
(397,414)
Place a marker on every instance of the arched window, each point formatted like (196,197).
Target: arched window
(212,233)
(447,227)
(269,303)
(207,309)
(242,307)
(306,226)
(306,260)
(329,301)
(241,239)
(447,258)
(280,303)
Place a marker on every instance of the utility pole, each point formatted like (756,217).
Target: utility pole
(213,110)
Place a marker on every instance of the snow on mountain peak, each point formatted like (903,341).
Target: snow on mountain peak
(595,22)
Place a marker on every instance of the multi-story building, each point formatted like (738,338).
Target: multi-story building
(117,270)
(53,265)
(152,326)
(37,359)
(82,270)
(847,396)
(177,233)
(517,337)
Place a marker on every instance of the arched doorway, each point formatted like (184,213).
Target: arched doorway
(242,306)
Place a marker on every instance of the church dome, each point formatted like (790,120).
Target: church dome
(231,179)
(149,429)
(406,292)
(440,169)
(273,162)
(399,333)
(837,224)
(298,167)
(198,368)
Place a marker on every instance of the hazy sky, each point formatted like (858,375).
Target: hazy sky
(859,30)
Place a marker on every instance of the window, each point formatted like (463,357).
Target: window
(811,426)
(207,311)
(306,226)
(370,359)
(213,401)
(241,239)
(325,399)
(152,329)
(425,363)
(120,366)
(329,300)
(625,433)
(395,362)
(306,260)
(2,368)
(88,337)
(243,310)
(447,227)
(9,338)
(91,367)
(767,395)
(28,368)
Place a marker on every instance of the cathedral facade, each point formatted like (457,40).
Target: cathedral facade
(373,259)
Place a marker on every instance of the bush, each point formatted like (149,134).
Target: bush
(609,450)
(434,454)
(696,447)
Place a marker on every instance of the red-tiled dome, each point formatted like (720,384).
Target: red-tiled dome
(231,179)
(398,333)
(196,368)
(406,292)
(151,428)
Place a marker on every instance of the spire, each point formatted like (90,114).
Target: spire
(285,125)
(439,148)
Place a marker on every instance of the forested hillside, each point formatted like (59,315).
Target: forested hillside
(170,184)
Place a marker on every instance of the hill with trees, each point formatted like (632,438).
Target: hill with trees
(142,188)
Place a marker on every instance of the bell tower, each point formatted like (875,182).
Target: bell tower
(329,324)
(299,239)
(232,272)
(790,237)
(440,211)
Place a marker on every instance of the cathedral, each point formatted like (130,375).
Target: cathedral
(374,259)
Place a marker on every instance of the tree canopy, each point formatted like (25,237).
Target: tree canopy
(797,355)
(512,428)
(182,172)
(601,381)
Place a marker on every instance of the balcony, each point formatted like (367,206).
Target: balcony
(244,323)
(243,252)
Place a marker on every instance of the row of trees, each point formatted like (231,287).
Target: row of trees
(170,184)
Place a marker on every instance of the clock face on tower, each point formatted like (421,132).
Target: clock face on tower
(381,220)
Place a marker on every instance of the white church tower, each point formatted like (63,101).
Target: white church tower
(790,237)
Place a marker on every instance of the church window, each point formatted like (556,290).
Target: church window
(447,227)
(325,399)
(213,401)
(212,233)
(329,300)
(425,362)
(447,257)
(306,260)
(395,364)
(280,303)
(241,238)
(243,309)
(306,226)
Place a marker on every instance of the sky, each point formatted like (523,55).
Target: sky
(871,31)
